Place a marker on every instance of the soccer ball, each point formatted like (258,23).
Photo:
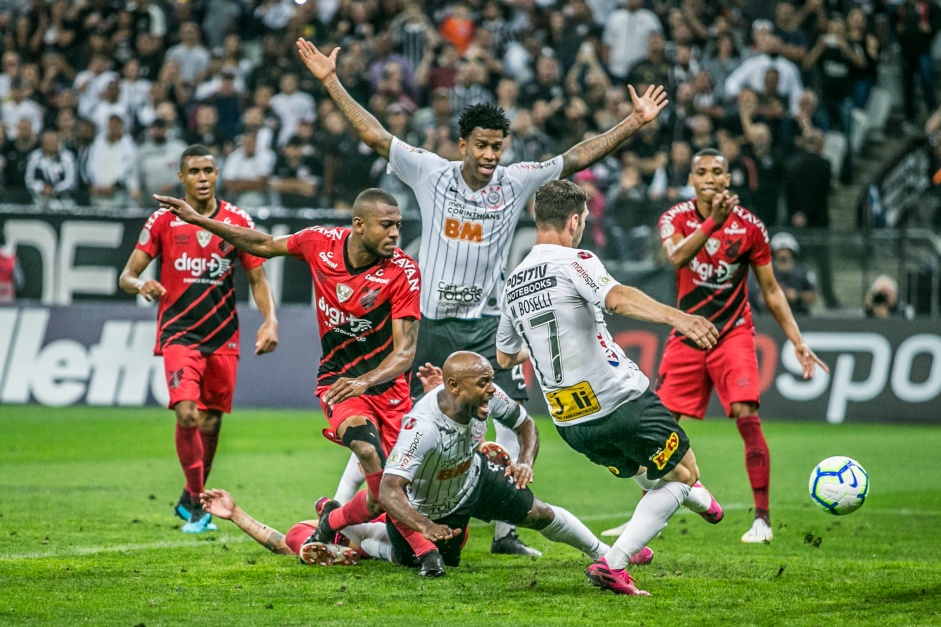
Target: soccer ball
(839,485)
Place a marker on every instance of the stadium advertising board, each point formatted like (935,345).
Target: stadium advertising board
(101,355)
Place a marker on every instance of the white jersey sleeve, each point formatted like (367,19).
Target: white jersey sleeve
(505,410)
(591,279)
(508,340)
(411,449)
(533,175)
(412,165)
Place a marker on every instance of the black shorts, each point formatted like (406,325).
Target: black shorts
(494,498)
(437,339)
(639,433)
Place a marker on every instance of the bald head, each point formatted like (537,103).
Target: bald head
(368,202)
(464,365)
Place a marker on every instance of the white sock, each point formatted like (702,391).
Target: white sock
(645,483)
(377,550)
(507,439)
(373,538)
(650,516)
(350,482)
(699,499)
(573,532)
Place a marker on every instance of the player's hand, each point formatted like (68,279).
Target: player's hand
(267,338)
(439,533)
(430,377)
(219,503)
(649,106)
(722,205)
(319,64)
(522,474)
(178,207)
(151,290)
(698,329)
(343,389)
(809,360)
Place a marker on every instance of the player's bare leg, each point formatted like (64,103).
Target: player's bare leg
(189,450)
(758,467)
(505,540)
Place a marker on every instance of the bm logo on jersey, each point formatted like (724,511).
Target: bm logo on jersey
(661,457)
(463,231)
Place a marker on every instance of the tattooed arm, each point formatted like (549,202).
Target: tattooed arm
(404,341)
(366,126)
(584,154)
(220,504)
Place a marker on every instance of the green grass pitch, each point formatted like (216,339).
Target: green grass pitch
(87,534)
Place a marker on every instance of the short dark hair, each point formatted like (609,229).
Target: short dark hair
(709,152)
(196,150)
(483,115)
(556,202)
(369,198)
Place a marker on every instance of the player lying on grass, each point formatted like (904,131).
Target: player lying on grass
(436,479)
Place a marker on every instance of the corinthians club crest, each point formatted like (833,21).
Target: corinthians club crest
(344,292)
(203,237)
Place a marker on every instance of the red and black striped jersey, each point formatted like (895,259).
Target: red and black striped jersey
(355,306)
(714,284)
(196,268)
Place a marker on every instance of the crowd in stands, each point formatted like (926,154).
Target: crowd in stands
(100,97)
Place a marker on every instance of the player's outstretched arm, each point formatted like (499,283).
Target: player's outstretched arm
(777,305)
(393,500)
(249,240)
(404,341)
(632,303)
(366,126)
(130,280)
(522,470)
(220,504)
(267,338)
(680,250)
(646,108)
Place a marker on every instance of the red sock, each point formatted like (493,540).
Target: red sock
(189,450)
(415,539)
(757,461)
(372,482)
(210,442)
(352,513)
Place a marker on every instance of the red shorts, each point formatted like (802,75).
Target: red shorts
(207,379)
(384,410)
(687,375)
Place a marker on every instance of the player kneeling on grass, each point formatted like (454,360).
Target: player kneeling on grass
(600,401)
(436,479)
(367,538)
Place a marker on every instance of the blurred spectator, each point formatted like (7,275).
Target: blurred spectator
(471,87)
(290,105)
(526,142)
(438,68)
(221,18)
(85,134)
(743,179)
(508,94)
(134,93)
(751,73)
(296,179)
(19,107)
(796,280)
(228,102)
(253,121)
(384,55)
(916,23)
(867,47)
(111,167)
(545,87)
(414,34)
(207,131)
(458,28)
(769,173)
(339,141)
(625,36)
(629,216)
(91,82)
(882,300)
(787,27)
(596,210)
(245,173)
(646,151)
(439,113)
(721,60)
(700,133)
(653,69)
(108,105)
(149,55)
(16,151)
(192,57)
(671,181)
(51,173)
(10,71)
(158,162)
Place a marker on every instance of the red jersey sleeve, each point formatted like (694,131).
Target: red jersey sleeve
(302,244)
(760,253)
(406,297)
(151,236)
(668,226)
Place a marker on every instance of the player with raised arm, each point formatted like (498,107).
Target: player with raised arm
(197,325)
(600,402)
(436,479)
(711,241)
(367,301)
(469,211)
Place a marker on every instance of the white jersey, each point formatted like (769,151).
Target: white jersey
(466,234)
(554,302)
(437,456)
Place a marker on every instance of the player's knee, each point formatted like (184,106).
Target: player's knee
(366,444)
(374,506)
(539,517)
(186,414)
(687,471)
(211,422)
(738,410)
